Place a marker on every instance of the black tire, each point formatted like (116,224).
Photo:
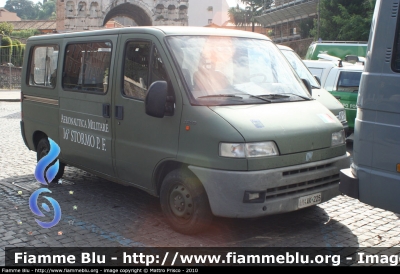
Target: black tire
(184,202)
(42,150)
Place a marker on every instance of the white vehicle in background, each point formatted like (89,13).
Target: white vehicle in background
(318,93)
(341,79)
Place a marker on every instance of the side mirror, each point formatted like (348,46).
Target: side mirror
(156,98)
(308,85)
(318,80)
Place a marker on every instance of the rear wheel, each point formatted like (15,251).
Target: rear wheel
(184,202)
(42,150)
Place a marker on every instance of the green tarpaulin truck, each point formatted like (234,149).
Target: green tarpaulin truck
(339,49)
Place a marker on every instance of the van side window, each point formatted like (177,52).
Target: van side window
(87,66)
(349,81)
(158,71)
(316,72)
(136,69)
(396,54)
(43,66)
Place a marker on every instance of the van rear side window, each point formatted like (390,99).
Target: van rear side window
(87,66)
(396,55)
(43,66)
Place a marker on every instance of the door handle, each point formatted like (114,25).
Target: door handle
(106,111)
(119,112)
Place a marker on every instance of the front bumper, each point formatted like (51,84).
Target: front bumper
(348,183)
(282,187)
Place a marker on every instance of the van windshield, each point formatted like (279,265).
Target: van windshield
(300,67)
(231,70)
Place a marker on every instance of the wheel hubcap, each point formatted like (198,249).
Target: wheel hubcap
(181,202)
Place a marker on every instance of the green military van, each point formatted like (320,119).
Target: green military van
(213,122)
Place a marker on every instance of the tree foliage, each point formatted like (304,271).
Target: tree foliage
(306,25)
(344,20)
(47,10)
(25,33)
(6,28)
(27,10)
(241,17)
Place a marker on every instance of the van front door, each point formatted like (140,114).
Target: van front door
(141,141)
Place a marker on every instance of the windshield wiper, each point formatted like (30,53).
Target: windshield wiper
(269,97)
(301,96)
(221,95)
(279,96)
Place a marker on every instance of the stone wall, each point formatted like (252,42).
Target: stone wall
(5,77)
(299,46)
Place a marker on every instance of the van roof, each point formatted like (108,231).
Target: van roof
(166,30)
(347,43)
(330,64)
(282,47)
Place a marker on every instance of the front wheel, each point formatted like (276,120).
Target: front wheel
(184,202)
(42,150)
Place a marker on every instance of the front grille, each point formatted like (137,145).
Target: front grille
(316,184)
(296,171)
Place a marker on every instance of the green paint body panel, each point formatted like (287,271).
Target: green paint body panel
(335,49)
(133,149)
(349,101)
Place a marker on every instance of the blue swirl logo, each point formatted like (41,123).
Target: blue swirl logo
(40,170)
(45,177)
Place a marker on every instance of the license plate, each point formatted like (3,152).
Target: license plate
(309,200)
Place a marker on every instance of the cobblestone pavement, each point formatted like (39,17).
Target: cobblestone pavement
(112,215)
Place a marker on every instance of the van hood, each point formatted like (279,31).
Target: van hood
(328,100)
(293,126)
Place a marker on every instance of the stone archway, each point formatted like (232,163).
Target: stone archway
(78,15)
(136,13)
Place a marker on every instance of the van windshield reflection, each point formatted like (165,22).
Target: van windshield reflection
(232,70)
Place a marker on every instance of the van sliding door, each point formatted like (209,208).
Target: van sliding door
(85,102)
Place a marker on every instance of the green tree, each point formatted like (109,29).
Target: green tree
(25,9)
(6,49)
(17,53)
(254,8)
(344,20)
(239,16)
(26,33)
(6,28)
(306,25)
(47,10)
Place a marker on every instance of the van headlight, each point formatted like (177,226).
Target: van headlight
(248,150)
(338,138)
(342,116)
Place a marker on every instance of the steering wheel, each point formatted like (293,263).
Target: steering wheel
(264,77)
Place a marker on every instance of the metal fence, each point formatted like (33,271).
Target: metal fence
(11,58)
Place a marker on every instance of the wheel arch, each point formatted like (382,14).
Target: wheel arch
(37,136)
(162,169)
